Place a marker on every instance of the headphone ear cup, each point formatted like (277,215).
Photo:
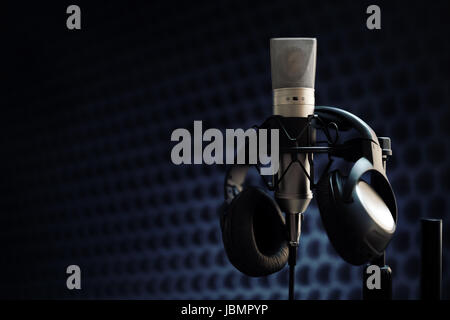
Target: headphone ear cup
(335,217)
(254,233)
(352,231)
(326,202)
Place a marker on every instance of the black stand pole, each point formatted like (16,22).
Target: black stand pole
(431,269)
(294,222)
(291,282)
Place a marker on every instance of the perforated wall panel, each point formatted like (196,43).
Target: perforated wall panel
(86,176)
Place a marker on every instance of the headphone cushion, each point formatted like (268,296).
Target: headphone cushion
(254,233)
(326,202)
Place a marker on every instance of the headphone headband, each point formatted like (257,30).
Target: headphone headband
(345,120)
(235,175)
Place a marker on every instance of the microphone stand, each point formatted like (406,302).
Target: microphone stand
(294,223)
(294,219)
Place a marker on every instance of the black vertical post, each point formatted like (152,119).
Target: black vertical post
(431,254)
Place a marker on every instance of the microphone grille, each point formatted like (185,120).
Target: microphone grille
(293,62)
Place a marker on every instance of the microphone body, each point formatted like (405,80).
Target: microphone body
(293,64)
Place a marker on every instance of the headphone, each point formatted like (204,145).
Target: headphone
(254,229)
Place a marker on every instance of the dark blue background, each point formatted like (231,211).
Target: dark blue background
(86,119)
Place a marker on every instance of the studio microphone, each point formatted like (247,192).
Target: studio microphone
(293,64)
(293,67)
